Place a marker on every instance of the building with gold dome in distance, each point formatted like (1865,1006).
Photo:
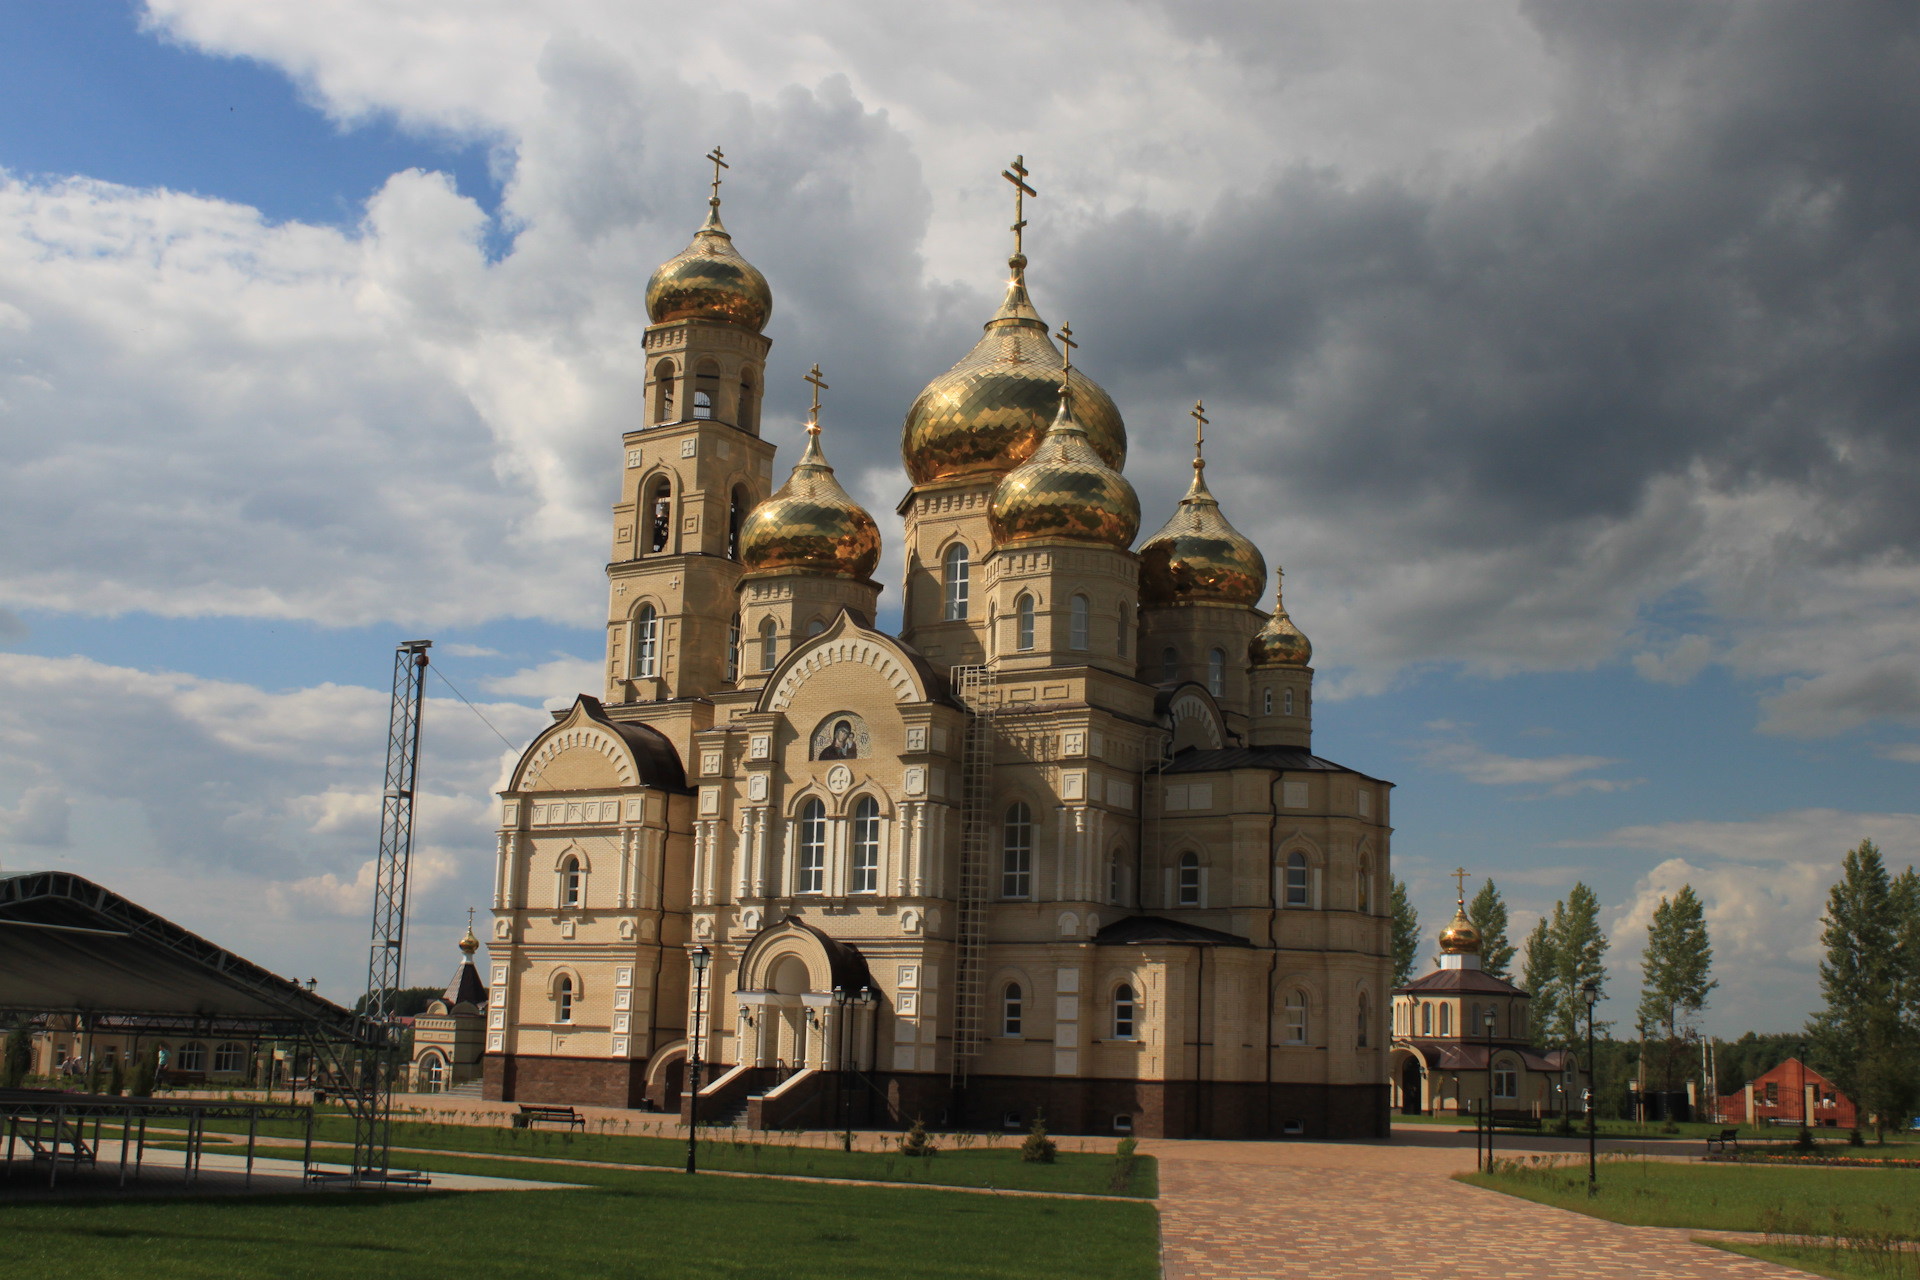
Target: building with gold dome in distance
(1460,1033)
(1060,846)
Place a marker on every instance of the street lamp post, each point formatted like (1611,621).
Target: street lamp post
(700,958)
(1489,1021)
(840,997)
(1590,992)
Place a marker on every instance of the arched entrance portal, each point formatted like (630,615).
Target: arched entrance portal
(1410,1102)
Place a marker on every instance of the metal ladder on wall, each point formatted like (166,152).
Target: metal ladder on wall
(973,686)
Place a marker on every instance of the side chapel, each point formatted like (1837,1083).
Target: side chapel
(1060,845)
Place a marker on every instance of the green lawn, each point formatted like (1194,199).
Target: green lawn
(628,1224)
(971,1165)
(1843,1264)
(1720,1196)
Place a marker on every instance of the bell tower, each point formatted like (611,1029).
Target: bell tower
(693,470)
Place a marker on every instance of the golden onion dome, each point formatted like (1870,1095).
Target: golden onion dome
(709,280)
(987,414)
(469,944)
(1065,490)
(1279,643)
(1198,557)
(811,525)
(1460,938)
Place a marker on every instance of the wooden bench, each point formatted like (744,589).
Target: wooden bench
(531,1115)
(1725,1140)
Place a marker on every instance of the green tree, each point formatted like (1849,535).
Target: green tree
(1579,954)
(16,1059)
(1539,977)
(1406,934)
(1488,911)
(1674,968)
(1865,978)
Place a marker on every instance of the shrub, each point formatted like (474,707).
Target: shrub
(1803,1141)
(144,1072)
(1038,1148)
(116,1078)
(1854,1139)
(1123,1162)
(16,1059)
(915,1141)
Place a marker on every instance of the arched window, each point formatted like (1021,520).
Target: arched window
(1010,1010)
(702,405)
(1189,880)
(659,514)
(1360,1022)
(769,645)
(1121,629)
(1266,702)
(1016,852)
(1296,1021)
(570,882)
(1289,707)
(813,848)
(1296,879)
(646,642)
(733,648)
(815,627)
(1023,608)
(1123,1012)
(745,419)
(737,506)
(866,846)
(663,392)
(956,582)
(1216,673)
(563,999)
(706,388)
(435,1071)
(1446,1019)
(1426,1018)
(1077,623)
(1365,896)
(1169,665)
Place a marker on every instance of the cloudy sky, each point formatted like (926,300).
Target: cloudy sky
(1567,356)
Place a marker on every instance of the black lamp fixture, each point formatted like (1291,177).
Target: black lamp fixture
(701,957)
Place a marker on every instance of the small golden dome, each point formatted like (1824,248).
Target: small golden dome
(709,280)
(1198,556)
(1279,643)
(1064,490)
(987,414)
(811,525)
(1460,938)
(469,944)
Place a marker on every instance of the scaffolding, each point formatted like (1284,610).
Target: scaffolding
(973,686)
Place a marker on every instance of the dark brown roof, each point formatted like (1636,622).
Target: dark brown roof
(653,751)
(1469,1055)
(466,985)
(1149,931)
(1282,759)
(1462,980)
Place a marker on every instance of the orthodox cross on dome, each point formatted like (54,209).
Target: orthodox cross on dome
(819,385)
(469,919)
(719,162)
(1199,416)
(1066,359)
(1460,880)
(1017,175)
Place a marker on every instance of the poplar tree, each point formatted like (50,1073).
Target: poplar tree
(1488,911)
(1867,1032)
(1406,934)
(1674,968)
(1539,977)
(1579,956)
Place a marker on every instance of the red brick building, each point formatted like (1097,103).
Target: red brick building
(1791,1093)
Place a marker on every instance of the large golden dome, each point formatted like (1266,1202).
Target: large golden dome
(1279,643)
(811,525)
(986,415)
(1198,557)
(1064,490)
(709,280)
(1460,937)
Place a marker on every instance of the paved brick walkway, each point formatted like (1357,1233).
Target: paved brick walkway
(1250,1210)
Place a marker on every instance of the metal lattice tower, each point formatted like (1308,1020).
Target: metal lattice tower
(373,1106)
(973,685)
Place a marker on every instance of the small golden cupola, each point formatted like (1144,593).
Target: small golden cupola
(811,525)
(988,414)
(1280,643)
(1198,557)
(709,280)
(1460,940)
(1065,490)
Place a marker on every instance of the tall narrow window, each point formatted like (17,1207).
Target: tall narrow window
(866,846)
(1365,895)
(1016,852)
(1169,666)
(1446,1019)
(1010,1010)
(1289,707)
(769,645)
(1216,673)
(1077,622)
(646,642)
(1266,702)
(1116,884)
(660,519)
(744,419)
(813,848)
(733,648)
(563,999)
(1296,1022)
(1189,880)
(956,582)
(1426,1018)
(1123,1012)
(1296,879)
(1121,629)
(663,392)
(736,512)
(1360,1022)
(1023,607)
(570,882)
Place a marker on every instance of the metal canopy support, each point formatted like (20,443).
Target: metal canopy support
(371,1087)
